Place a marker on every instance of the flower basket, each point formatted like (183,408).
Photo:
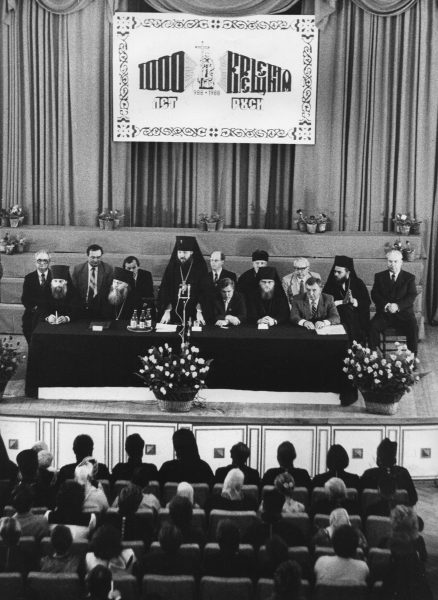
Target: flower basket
(179,401)
(108,224)
(15,221)
(403,229)
(380,402)
(101,223)
(408,255)
(5,221)
(311,227)
(415,228)
(321,227)
(302,226)
(211,225)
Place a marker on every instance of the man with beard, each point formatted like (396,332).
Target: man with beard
(267,303)
(60,302)
(313,309)
(351,298)
(122,299)
(182,278)
(34,286)
(248,280)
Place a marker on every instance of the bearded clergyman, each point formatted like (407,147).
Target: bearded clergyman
(267,303)
(60,303)
(122,299)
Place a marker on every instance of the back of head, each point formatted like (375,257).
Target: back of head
(45,459)
(239,454)
(99,582)
(286,455)
(339,517)
(273,502)
(84,473)
(276,550)
(10,531)
(386,453)
(233,483)
(134,445)
(228,536)
(404,521)
(62,539)
(22,498)
(39,445)
(185,490)
(287,580)
(27,461)
(106,542)
(345,541)
(130,498)
(336,489)
(184,444)
(285,484)
(337,459)
(83,446)
(170,538)
(70,498)
(181,511)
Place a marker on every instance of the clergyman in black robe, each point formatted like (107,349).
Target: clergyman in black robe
(267,303)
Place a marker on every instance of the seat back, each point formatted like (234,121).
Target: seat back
(231,588)
(11,586)
(319,493)
(169,587)
(341,592)
(249,490)
(201,493)
(242,518)
(79,547)
(198,518)
(264,589)
(301,521)
(321,521)
(169,491)
(118,486)
(377,528)
(378,561)
(137,546)
(53,586)
(127,585)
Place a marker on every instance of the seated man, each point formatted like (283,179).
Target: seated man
(239,456)
(294,283)
(267,303)
(314,310)
(143,284)
(210,282)
(394,292)
(34,286)
(122,299)
(83,446)
(59,303)
(247,281)
(351,298)
(229,306)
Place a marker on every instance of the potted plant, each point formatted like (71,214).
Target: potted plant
(210,222)
(175,377)
(301,221)
(382,380)
(21,243)
(402,223)
(415,226)
(408,250)
(16,215)
(321,221)
(4,241)
(311,224)
(110,218)
(4,217)
(10,357)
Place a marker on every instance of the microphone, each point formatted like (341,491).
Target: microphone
(184,291)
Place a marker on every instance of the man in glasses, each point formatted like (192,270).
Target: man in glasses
(295,283)
(35,285)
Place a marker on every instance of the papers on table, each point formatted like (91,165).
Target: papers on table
(165,327)
(331,330)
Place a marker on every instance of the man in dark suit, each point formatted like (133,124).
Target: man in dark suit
(239,456)
(34,285)
(92,281)
(210,282)
(143,283)
(83,446)
(313,309)
(217,261)
(229,306)
(394,292)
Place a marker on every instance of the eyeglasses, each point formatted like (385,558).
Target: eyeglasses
(42,260)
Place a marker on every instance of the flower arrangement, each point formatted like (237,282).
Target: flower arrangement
(213,218)
(15,212)
(168,373)
(10,357)
(407,249)
(322,218)
(11,243)
(111,215)
(370,371)
(402,219)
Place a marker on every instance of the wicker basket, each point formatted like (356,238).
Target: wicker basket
(381,403)
(180,401)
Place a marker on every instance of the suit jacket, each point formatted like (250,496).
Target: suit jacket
(291,284)
(252,476)
(403,292)
(326,309)
(236,307)
(31,298)
(208,293)
(104,279)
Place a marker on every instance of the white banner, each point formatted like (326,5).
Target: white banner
(184,78)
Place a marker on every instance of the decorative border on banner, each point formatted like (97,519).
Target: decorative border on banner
(125,130)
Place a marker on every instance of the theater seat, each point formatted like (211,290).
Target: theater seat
(243,519)
(376,529)
(321,521)
(378,561)
(264,589)
(250,490)
(341,592)
(79,547)
(301,521)
(169,587)
(11,586)
(300,494)
(319,493)
(198,518)
(127,586)
(54,586)
(229,588)
(371,496)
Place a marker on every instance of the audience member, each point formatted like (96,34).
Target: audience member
(228,305)
(181,515)
(143,283)
(131,524)
(46,474)
(22,501)
(106,549)
(285,484)
(266,302)
(100,585)
(30,474)
(8,469)
(314,310)
(95,498)
(92,280)
(232,496)
(394,292)
(13,557)
(185,490)
(351,298)
(122,298)
(286,456)
(148,500)
(338,517)
(83,446)
(337,461)
(239,457)
(386,464)
(295,283)
(231,561)
(59,301)
(343,568)
(168,559)
(336,497)
(62,560)
(386,499)
(34,286)
(188,466)
(276,552)
(134,448)
(287,582)
(405,527)
(68,510)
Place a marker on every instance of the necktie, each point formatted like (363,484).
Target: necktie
(314,306)
(93,283)
(43,279)
(216,277)
(393,278)
(301,287)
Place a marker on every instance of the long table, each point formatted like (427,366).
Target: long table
(283,358)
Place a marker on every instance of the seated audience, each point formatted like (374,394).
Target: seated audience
(95,498)
(239,457)
(13,557)
(386,499)
(22,501)
(336,497)
(106,549)
(287,582)
(185,490)
(275,553)
(127,520)
(272,522)
(168,559)
(83,446)
(99,583)
(267,303)
(181,515)
(122,299)
(338,517)
(405,527)
(295,283)
(314,310)
(29,474)
(148,500)
(386,464)
(188,466)
(337,461)
(286,456)
(68,510)
(230,561)
(59,303)
(285,484)
(45,470)
(62,560)
(228,305)
(232,496)
(134,447)
(343,568)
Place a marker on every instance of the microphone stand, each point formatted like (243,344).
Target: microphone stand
(184,295)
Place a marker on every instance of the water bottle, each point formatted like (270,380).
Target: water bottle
(142,321)
(134,319)
(148,319)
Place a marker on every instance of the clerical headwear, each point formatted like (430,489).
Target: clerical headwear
(345,262)
(186,243)
(123,275)
(386,453)
(60,272)
(267,273)
(260,255)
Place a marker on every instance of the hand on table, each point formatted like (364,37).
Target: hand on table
(309,325)
(232,320)
(200,317)
(319,324)
(166,317)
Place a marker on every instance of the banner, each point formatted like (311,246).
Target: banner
(184,78)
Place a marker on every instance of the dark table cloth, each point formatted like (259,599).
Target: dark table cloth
(283,358)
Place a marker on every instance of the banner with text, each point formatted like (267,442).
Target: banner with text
(184,78)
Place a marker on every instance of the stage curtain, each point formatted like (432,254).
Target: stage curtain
(229,8)
(382,8)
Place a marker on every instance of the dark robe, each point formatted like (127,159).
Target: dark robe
(65,307)
(124,311)
(403,480)
(356,320)
(277,307)
(192,272)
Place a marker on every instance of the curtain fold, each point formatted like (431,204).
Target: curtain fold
(230,8)
(64,7)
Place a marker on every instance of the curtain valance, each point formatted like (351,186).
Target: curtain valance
(380,8)
(229,8)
